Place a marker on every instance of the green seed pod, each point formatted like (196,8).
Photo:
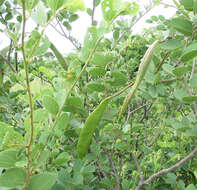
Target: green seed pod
(141,72)
(89,127)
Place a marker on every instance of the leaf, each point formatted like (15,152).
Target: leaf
(62,158)
(74,101)
(195,6)
(182,25)
(190,99)
(40,16)
(96,71)
(44,45)
(111,8)
(8,158)
(59,57)
(191,187)
(77,179)
(90,126)
(192,132)
(41,182)
(55,4)
(179,71)
(50,104)
(1,2)
(188,4)
(170,179)
(190,52)
(62,121)
(95,86)
(30,4)
(172,44)
(13,177)
(101,59)
(193,81)
(74,5)
(119,78)
(73,17)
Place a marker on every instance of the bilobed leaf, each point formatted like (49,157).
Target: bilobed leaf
(182,25)
(172,44)
(179,71)
(41,182)
(40,16)
(8,158)
(190,52)
(188,4)
(101,59)
(50,104)
(13,177)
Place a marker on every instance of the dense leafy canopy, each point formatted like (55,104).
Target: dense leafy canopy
(60,126)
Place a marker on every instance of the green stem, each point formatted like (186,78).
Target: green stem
(28,151)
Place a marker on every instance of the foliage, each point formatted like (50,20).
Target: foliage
(59,126)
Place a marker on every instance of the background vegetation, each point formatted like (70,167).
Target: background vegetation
(59,126)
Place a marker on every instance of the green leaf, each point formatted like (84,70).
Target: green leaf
(43,47)
(41,182)
(188,4)
(101,59)
(191,187)
(74,101)
(172,44)
(195,6)
(90,126)
(50,104)
(119,78)
(59,57)
(30,4)
(170,179)
(95,86)
(192,132)
(8,158)
(55,4)
(111,8)
(96,71)
(74,5)
(179,71)
(62,121)
(190,99)
(62,158)
(182,25)
(193,81)
(73,17)
(13,177)
(89,11)
(77,179)
(1,2)
(40,115)
(190,52)
(40,16)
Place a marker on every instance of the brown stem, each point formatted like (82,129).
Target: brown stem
(167,170)
(162,62)
(8,62)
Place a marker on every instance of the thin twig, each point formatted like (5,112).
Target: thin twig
(162,62)
(9,64)
(93,11)
(167,170)
(193,68)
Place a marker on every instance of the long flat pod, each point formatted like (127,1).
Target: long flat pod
(89,127)
(141,72)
